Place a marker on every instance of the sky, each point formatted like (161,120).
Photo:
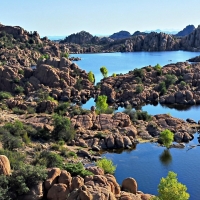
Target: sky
(99,17)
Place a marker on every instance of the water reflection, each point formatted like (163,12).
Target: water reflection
(166,157)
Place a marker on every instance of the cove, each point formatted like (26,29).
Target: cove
(148,163)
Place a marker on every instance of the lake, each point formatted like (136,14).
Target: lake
(149,162)
(124,62)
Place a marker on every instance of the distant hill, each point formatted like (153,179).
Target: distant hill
(186,31)
(162,31)
(120,35)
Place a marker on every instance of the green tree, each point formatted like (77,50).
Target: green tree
(104,71)
(107,165)
(101,104)
(91,77)
(167,137)
(170,188)
(114,75)
(63,129)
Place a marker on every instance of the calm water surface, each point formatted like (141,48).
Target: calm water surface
(149,162)
(124,62)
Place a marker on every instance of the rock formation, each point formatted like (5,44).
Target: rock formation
(186,31)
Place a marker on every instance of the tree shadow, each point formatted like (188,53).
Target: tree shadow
(166,157)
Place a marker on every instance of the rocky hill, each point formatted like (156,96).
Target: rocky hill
(186,31)
(120,35)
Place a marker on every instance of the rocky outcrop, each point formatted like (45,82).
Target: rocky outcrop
(195,59)
(120,35)
(140,86)
(186,31)
(4,165)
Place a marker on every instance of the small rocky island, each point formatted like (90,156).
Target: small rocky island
(47,138)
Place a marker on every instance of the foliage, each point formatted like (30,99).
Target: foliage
(78,84)
(114,75)
(16,158)
(77,169)
(49,159)
(5,95)
(170,79)
(104,71)
(170,188)
(62,108)
(139,89)
(18,111)
(65,55)
(91,77)
(107,165)
(162,88)
(19,89)
(137,114)
(63,129)
(158,69)
(45,56)
(51,99)
(138,79)
(101,103)
(139,73)
(183,83)
(167,137)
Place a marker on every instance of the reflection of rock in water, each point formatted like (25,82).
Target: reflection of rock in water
(166,157)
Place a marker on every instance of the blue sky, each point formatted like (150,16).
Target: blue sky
(103,17)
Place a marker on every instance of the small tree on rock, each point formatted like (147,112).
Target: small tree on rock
(101,104)
(167,137)
(104,71)
(170,188)
(91,77)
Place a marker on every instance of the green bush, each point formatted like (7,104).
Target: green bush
(63,129)
(114,75)
(49,159)
(166,137)
(104,71)
(139,89)
(77,169)
(101,103)
(162,88)
(16,158)
(21,71)
(138,79)
(170,79)
(107,165)
(91,77)
(169,188)
(183,83)
(138,73)
(62,108)
(19,89)
(5,95)
(158,69)
(18,111)
(137,115)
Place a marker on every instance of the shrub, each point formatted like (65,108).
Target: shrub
(114,75)
(139,89)
(91,77)
(170,79)
(78,84)
(63,129)
(104,71)
(51,99)
(77,169)
(18,111)
(138,79)
(19,89)
(162,88)
(107,165)
(49,159)
(101,103)
(16,158)
(139,73)
(5,95)
(158,69)
(167,137)
(62,108)
(170,188)
(183,83)
(31,110)
(21,71)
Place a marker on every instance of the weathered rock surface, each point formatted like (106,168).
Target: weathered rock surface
(4,165)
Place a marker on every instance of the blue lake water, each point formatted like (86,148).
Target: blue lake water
(149,162)
(124,62)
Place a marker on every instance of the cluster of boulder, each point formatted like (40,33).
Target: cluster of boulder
(60,185)
(121,90)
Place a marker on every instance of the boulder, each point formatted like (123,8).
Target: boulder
(4,165)
(58,192)
(65,178)
(53,175)
(129,185)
